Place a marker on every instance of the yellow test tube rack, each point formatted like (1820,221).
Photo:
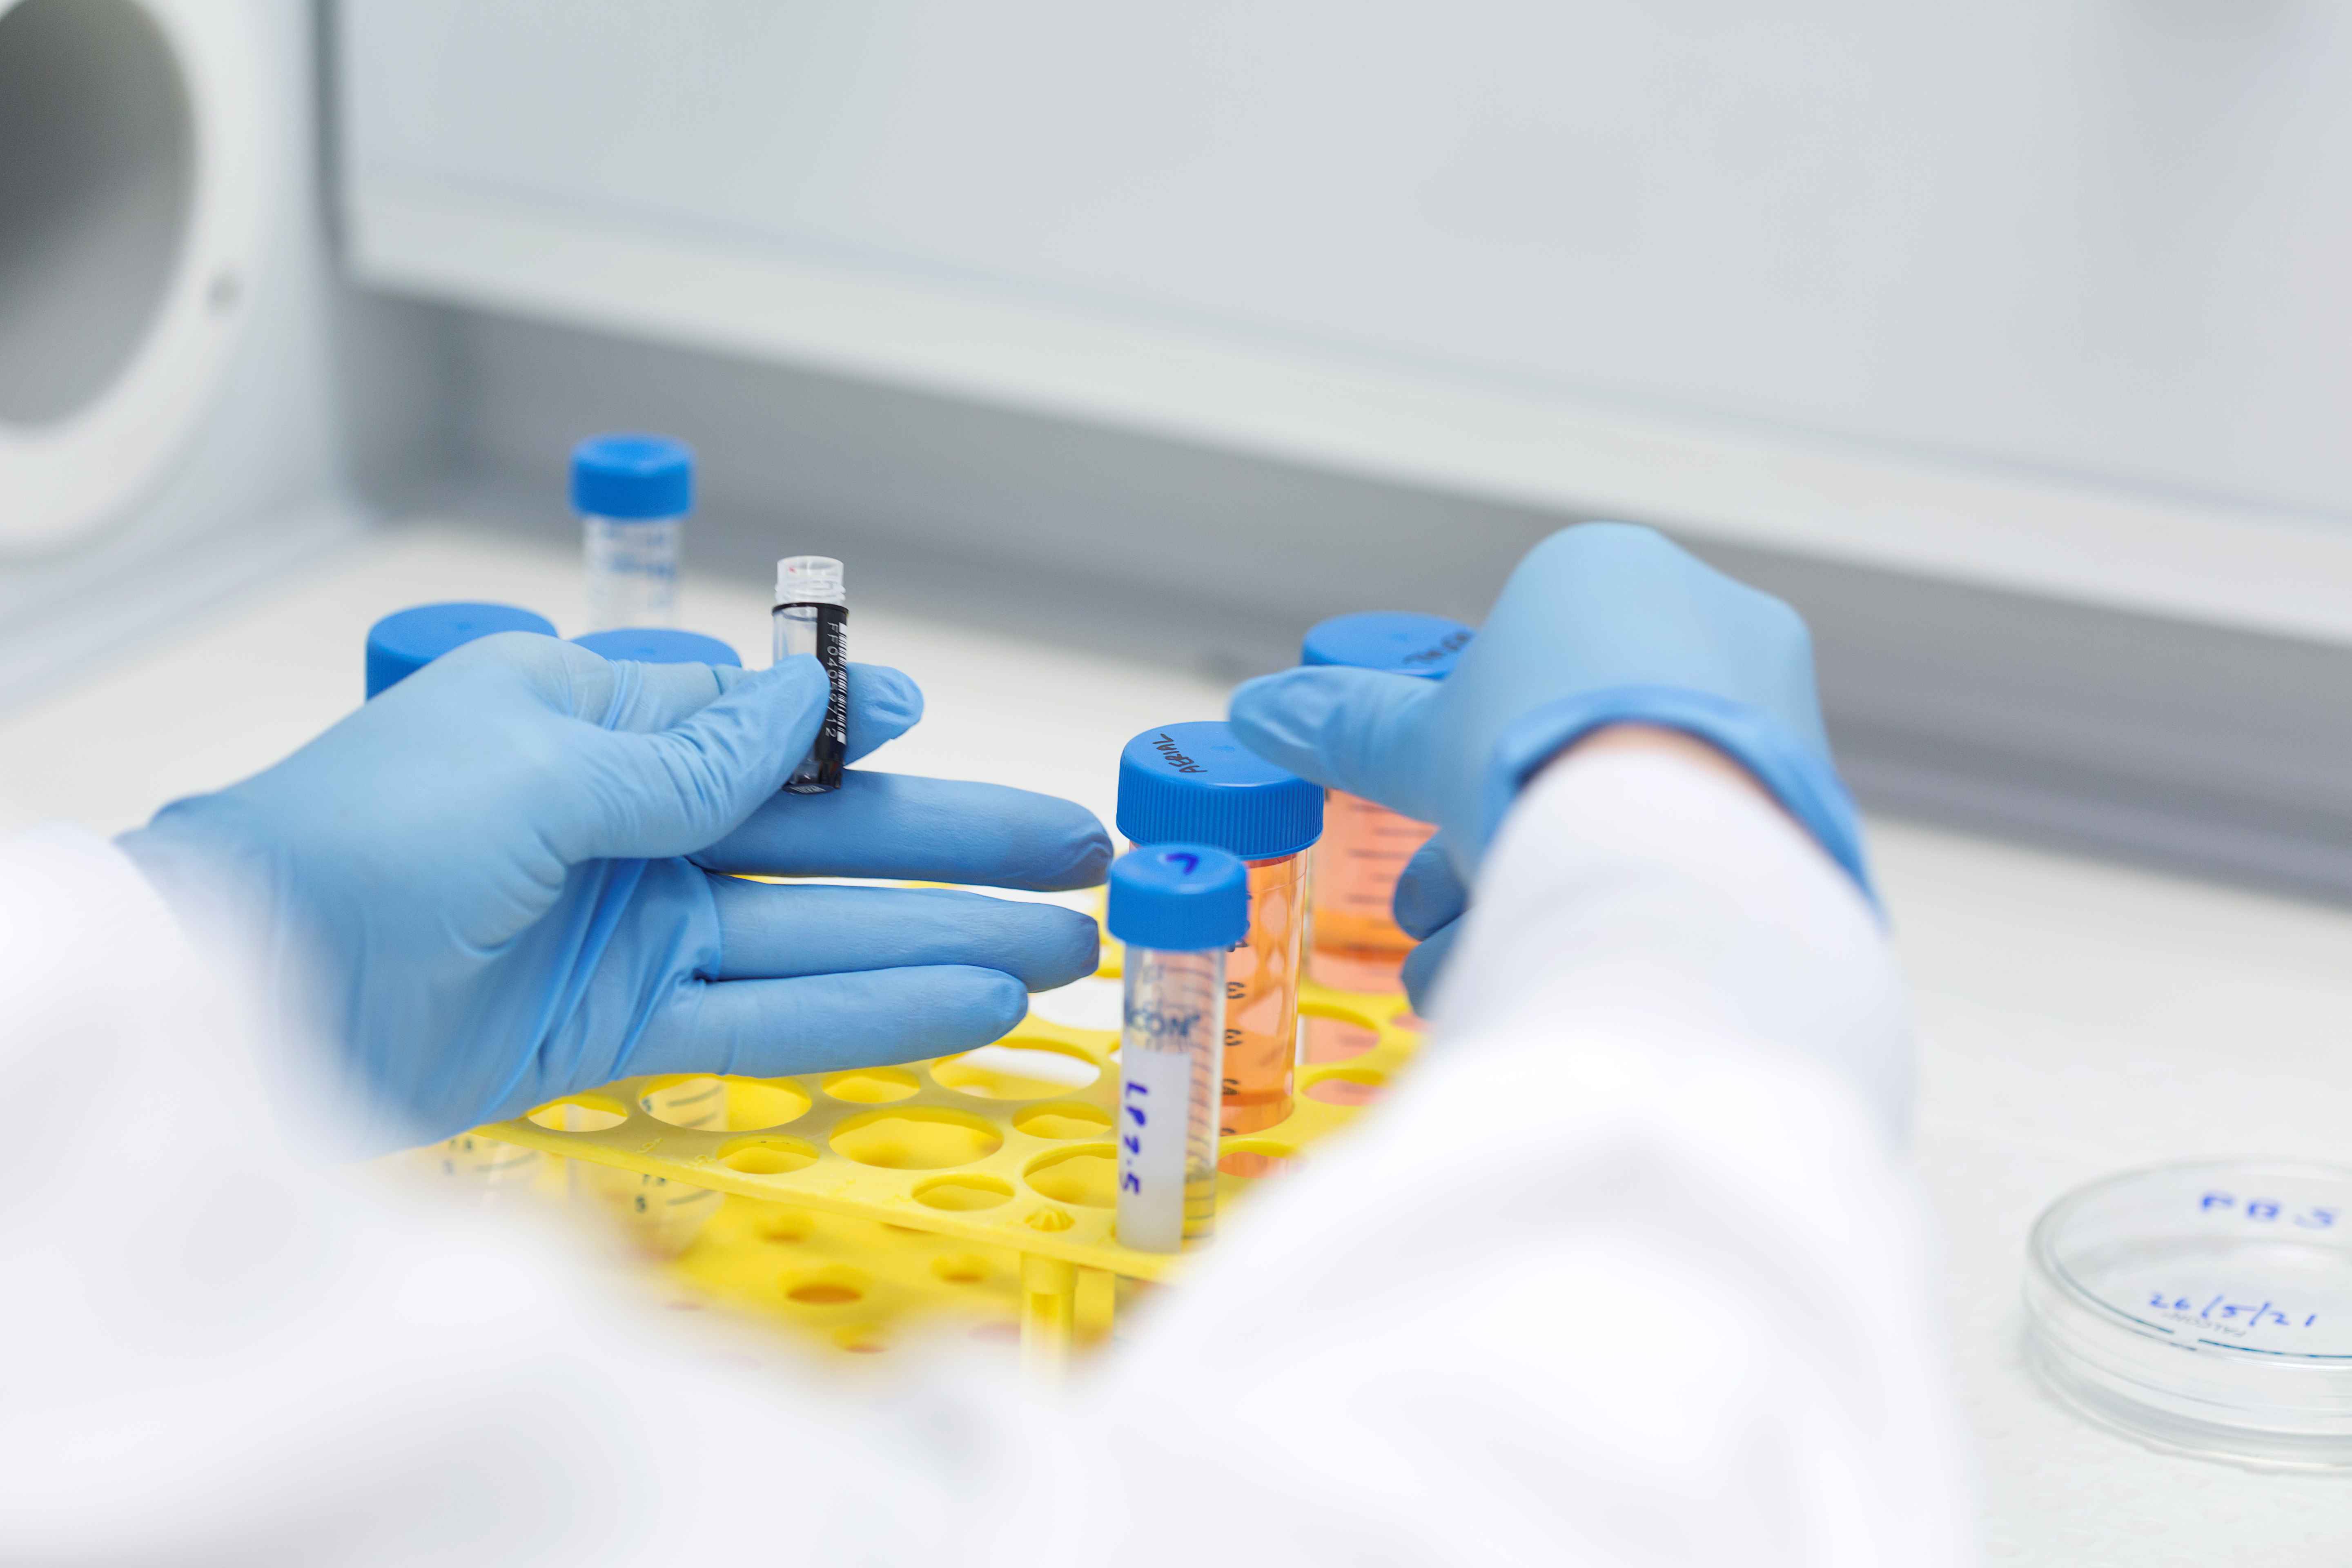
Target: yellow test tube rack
(885,1201)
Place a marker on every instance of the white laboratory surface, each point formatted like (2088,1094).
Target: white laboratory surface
(2075,1018)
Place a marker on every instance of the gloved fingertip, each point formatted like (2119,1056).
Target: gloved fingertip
(795,691)
(1268,701)
(1429,895)
(1347,728)
(999,1003)
(1085,860)
(883,704)
(1056,845)
(797,677)
(1071,949)
(1282,717)
(1425,965)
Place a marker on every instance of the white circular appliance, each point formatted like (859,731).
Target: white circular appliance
(131,185)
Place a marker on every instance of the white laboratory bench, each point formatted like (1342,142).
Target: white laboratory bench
(2076,1017)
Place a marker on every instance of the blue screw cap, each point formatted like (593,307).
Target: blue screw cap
(631,476)
(407,640)
(659,645)
(1194,784)
(1398,641)
(1179,898)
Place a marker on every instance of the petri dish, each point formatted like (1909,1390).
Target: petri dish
(2203,1307)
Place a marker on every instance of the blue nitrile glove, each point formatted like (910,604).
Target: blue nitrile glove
(1603,623)
(476,884)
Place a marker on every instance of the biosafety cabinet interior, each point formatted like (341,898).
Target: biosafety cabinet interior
(2005,343)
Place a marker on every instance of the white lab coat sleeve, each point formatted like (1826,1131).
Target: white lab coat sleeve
(1628,1271)
(1625,1273)
(217,1350)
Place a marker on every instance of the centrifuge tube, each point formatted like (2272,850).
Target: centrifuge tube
(662,1216)
(407,640)
(812,617)
(1355,941)
(398,646)
(1178,907)
(1194,784)
(632,493)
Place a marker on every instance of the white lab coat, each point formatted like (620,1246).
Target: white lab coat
(1628,1272)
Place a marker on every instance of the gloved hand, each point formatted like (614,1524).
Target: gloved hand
(476,886)
(1601,623)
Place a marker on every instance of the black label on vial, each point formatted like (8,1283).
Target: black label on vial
(820,769)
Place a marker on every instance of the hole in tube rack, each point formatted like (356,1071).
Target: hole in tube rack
(1254,1157)
(873,1085)
(1353,1086)
(1049,1221)
(697,1101)
(1018,1069)
(962,1195)
(788,1227)
(1067,1118)
(580,1113)
(1002,1332)
(755,1102)
(916,1138)
(766,1156)
(961,1269)
(1328,1035)
(827,1288)
(1087,1175)
(861,1339)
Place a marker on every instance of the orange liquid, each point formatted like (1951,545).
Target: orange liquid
(1365,849)
(1262,998)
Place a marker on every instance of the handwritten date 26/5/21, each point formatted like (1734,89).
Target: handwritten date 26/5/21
(2224,1312)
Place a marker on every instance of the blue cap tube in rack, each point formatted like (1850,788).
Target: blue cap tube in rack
(1195,783)
(1355,942)
(1402,642)
(632,493)
(1178,907)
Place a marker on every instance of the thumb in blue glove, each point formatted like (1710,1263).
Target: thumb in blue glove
(476,886)
(1603,623)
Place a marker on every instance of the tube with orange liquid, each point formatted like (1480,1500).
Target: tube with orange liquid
(1194,784)
(1356,943)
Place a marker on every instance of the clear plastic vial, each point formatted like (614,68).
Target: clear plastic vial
(812,617)
(398,646)
(632,494)
(1178,907)
(1356,943)
(1194,784)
